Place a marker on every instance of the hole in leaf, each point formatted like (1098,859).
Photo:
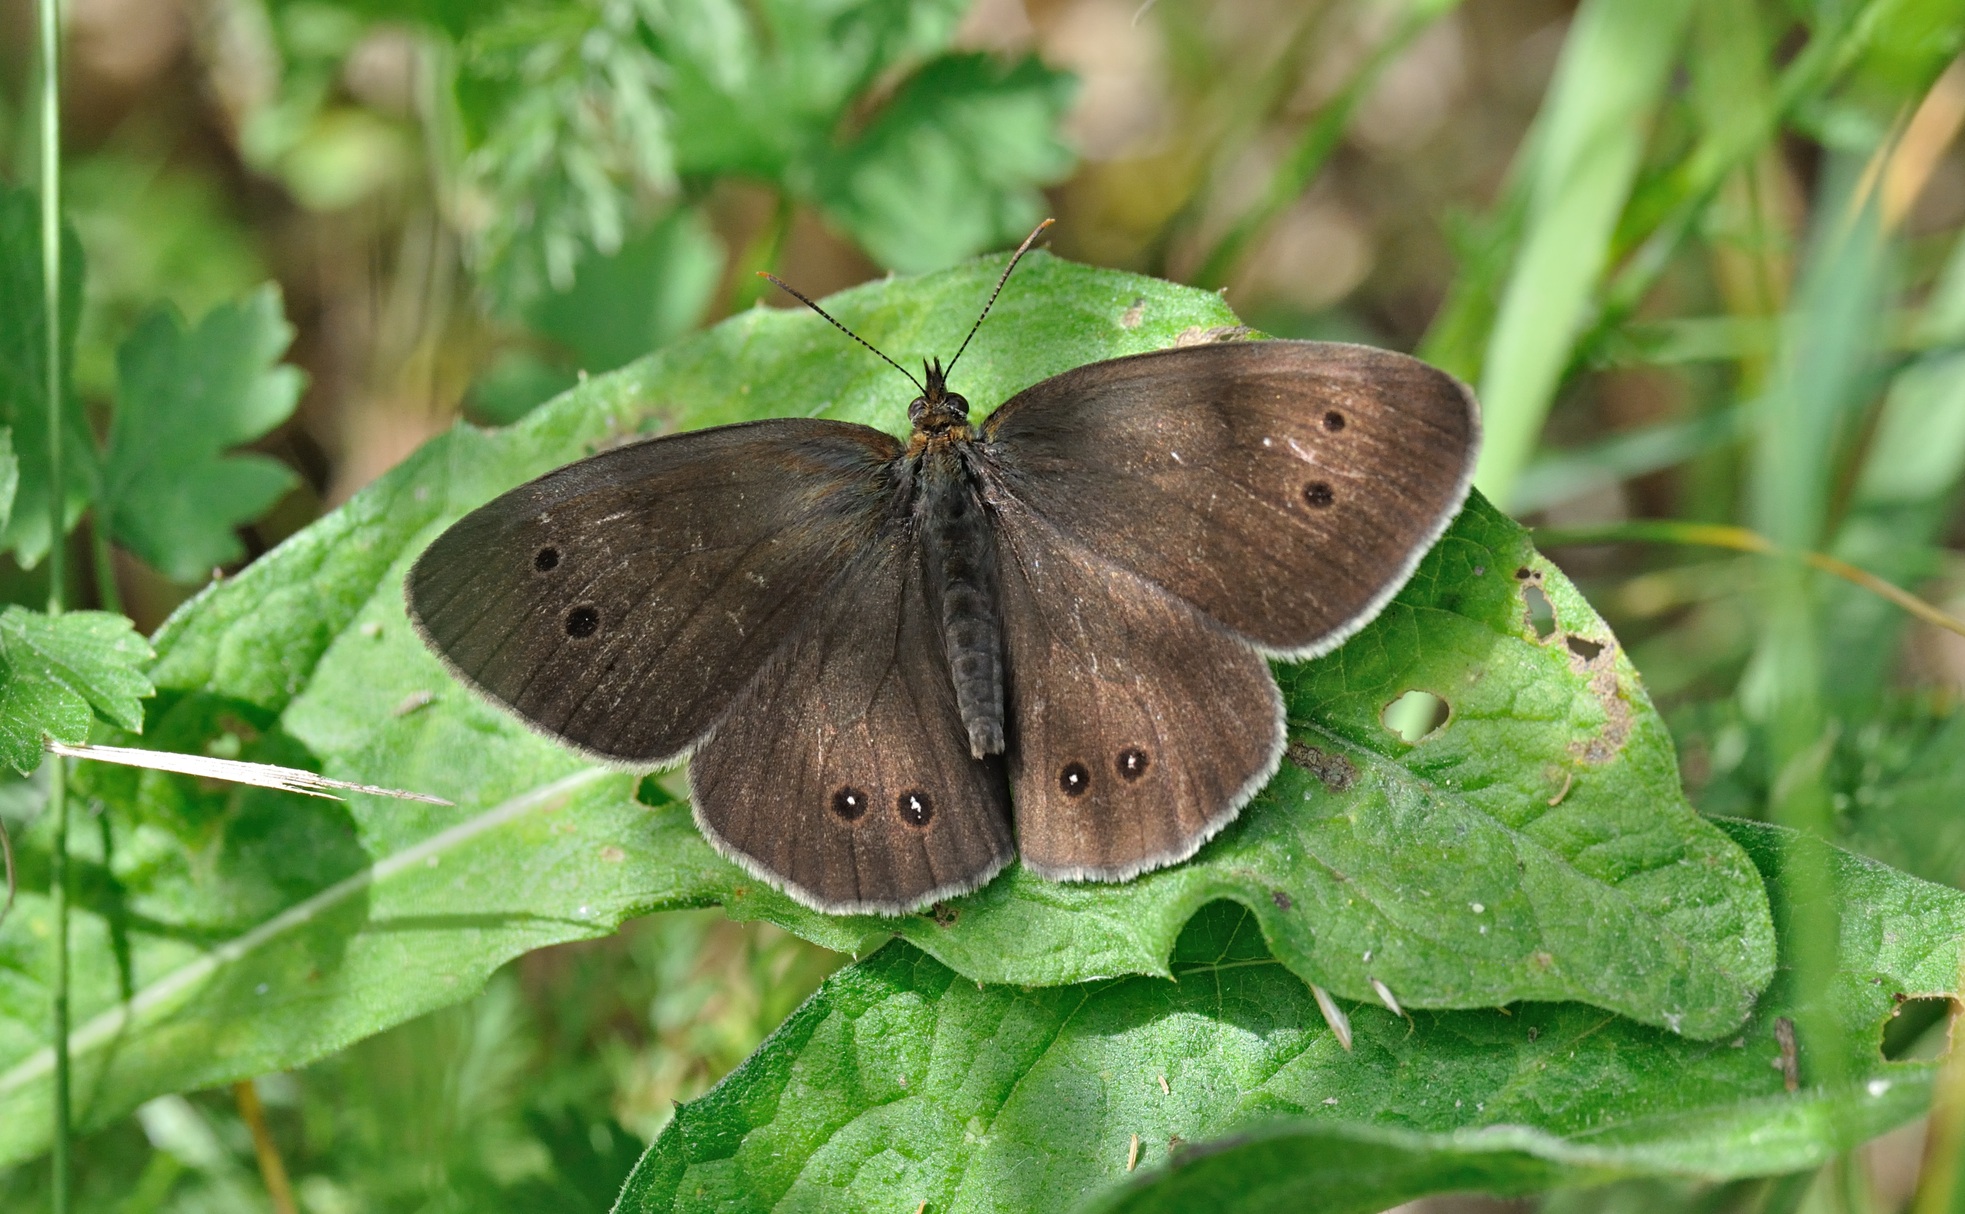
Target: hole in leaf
(649,791)
(1915,1029)
(1416,715)
(1584,647)
(1541,612)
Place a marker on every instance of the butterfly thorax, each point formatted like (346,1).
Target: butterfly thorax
(958,547)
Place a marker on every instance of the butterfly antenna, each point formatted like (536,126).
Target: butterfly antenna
(1017,257)
(788,289)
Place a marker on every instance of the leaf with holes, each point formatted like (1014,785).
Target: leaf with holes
(1536,846)
(899,1082)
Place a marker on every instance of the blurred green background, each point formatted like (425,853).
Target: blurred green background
(1703,261)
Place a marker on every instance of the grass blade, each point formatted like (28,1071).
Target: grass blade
(1591,137)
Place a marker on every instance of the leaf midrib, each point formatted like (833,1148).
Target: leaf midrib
(108,1024)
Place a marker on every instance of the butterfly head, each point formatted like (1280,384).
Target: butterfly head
(937,409)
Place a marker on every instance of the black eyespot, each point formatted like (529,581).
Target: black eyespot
(849,803)
(915,807)
(1075,780)
(1133,763)
(582,621)
(1333,421)
(1318,494)
(546,560)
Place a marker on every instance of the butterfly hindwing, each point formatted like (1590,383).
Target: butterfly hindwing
(1286,488)
(619,603)
(842,769)
(1141,726)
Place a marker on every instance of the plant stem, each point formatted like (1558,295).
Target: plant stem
(762,253)
(50,29)
(272,1169)
(1740,539)
(108,597)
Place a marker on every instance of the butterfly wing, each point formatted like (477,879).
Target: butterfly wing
(620,602)
(842,769)
(1141,726)
(1285,488)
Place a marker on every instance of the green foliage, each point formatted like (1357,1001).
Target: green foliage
(620,306)
(155,232)
(24,377)
(564,102)
(946,167)
(61,672)
(583,116)
(1707,166)
(900,1082)
(170,494)
(1586,149)
(1369,858)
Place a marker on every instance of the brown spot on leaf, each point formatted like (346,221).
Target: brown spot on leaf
(1130,318)
(1337,772)
(944,915)
(1281,899)
(1618,719)
(1209,335)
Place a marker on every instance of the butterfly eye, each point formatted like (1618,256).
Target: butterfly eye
(1133,763)
(546,560)
(915,808)
(583,621)
(1333,421)
(1074,780)
(849,803)
(1318,494)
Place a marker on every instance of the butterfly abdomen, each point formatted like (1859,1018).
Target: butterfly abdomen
(959,548)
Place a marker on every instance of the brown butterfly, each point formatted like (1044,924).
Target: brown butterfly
(873,649)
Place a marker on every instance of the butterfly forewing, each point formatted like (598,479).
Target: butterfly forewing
(843,767)
(1285,488)
(1141,726)
(619,603)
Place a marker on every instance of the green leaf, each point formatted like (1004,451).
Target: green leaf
(948,165)
(23,376)
(899,1082)
(1588,141)
(170,493)
(1444,861)
(952,163)
(650,292)
(61,672)
(760,89)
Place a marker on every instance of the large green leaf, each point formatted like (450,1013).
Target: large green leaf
(1535,847)
(899,1082)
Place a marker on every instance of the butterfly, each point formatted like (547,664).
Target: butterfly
(897,664)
